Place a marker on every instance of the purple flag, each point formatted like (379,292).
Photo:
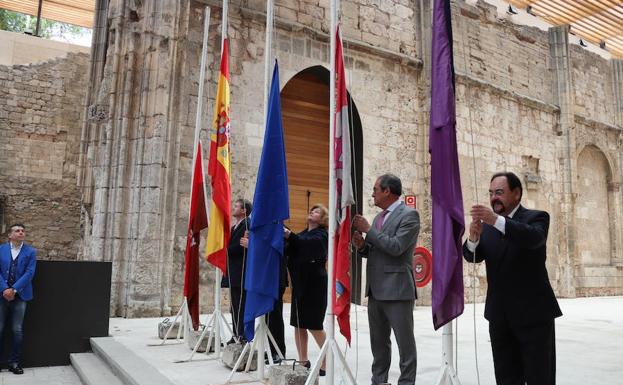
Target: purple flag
(448,221)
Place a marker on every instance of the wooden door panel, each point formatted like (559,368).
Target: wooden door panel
(305,110)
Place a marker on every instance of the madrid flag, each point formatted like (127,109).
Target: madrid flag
(197,221)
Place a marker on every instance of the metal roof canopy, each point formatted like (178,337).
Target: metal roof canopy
(76,12)
(597,21)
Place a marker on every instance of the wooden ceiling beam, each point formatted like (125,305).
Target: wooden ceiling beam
(76,12)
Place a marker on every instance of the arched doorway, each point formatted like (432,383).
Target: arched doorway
(594,271)
(305,112)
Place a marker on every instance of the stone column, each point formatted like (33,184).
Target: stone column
(562,83)
(136,149)
(617,85)
(421,184)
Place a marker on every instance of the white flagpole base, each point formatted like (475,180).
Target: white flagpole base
(261,343)
(216,326)
(447,374)
(210,329)
(183,313)
(330,347)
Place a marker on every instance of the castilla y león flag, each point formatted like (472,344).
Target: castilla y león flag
(219,170)
(344,195)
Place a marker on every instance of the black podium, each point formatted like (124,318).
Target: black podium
(71,304)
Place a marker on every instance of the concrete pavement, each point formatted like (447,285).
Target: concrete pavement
(589,341)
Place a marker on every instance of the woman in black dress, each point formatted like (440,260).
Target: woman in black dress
(307,257)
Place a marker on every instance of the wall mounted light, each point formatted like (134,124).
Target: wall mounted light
(510,10)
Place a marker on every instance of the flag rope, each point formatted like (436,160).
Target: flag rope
(476,189)
(355,191)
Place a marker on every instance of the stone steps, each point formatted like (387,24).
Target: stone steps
(111,363)
(92,370)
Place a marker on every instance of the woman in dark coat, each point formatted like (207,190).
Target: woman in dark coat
(307,257)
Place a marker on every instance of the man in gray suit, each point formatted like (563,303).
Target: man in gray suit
(390,287)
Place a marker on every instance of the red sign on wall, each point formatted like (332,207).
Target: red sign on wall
(410,201)
(422,266)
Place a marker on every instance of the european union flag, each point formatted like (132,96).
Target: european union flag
(270,208)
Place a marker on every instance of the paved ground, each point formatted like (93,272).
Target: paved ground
(589,339)
(589,348)
(56,375)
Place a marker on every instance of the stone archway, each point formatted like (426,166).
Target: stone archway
(305,111)
(595,235)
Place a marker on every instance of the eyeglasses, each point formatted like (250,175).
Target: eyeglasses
(499,192)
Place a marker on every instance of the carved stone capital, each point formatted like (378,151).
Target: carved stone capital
(97,113)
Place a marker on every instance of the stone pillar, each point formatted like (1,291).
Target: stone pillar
(421,184)
(562,83)
(136,148)
(617,86)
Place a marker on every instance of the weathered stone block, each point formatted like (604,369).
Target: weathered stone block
(193,337)
(164,326)
(288,375)
(232,352)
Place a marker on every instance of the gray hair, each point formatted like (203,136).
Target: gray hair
(392,182)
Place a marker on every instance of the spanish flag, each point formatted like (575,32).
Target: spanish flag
(219,169)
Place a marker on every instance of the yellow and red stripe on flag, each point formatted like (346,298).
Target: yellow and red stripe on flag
(219,169)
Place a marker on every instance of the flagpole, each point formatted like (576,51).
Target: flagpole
(198,123)
(198,119)
(217,274)
(330,369)
(268,53)
(199,114)
(267,79)
(330,349)
(447,374)
(445,187)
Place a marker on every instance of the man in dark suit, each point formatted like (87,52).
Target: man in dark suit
(520,306)
(236,264)
(274,319)
(390,286)
(17,268)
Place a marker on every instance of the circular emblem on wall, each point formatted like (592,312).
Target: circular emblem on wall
(422,266)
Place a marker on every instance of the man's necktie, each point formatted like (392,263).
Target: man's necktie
(381,220)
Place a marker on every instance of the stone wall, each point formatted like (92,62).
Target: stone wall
(528,102)
(387,24)
(592,84)
(41,107)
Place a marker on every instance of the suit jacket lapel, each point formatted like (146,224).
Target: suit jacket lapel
(240,229)
(22,250)
(5,256)
(503,237)
(393,216)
